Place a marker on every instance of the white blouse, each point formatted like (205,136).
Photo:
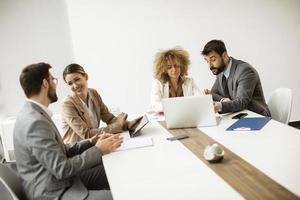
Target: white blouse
(161,90)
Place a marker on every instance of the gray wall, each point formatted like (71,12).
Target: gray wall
(31,31)
(116,42)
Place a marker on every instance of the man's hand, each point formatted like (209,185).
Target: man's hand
(134,123)
(217,106)
(206,91)
(108,142)
(95,138)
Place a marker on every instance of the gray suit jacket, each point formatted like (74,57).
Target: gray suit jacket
(244,88)
(47,166)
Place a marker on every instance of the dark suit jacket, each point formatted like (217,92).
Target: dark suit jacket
(47,166)
(244,88)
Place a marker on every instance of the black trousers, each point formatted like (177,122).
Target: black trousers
(95,178)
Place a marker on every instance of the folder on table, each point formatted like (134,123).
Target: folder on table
(249,124)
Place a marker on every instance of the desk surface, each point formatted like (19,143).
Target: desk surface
(169,170)
(274,150)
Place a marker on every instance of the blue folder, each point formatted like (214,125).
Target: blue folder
(249,124)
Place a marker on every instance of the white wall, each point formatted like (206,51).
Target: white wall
(31,31)
(116,40)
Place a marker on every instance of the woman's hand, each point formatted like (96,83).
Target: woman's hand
(134,123)
(206,91)
(121,119)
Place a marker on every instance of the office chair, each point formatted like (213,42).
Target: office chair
(2,159)
(280,104)
(5,191)
(10,183)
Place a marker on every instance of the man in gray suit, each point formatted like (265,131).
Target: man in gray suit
(49,169)
(237,85)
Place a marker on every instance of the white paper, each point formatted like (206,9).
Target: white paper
(134,143)
(125,135)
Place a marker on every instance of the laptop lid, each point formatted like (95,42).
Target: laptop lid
(192,111)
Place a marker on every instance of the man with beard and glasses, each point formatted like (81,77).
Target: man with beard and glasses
(237,85)
(48,168)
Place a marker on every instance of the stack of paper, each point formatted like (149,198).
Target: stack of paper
(134,143)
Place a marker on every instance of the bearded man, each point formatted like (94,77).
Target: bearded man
(237,85)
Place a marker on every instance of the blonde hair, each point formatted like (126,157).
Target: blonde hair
(177,55)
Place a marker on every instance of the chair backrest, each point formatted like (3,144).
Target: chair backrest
(280,104)
(5,191)
(6,132)
(2,159)
(11,180)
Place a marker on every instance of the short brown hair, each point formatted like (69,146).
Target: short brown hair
(178,55)
(32,76)
(73,68)
(217,46)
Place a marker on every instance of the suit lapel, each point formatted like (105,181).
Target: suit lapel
(95,104)
(230,78)
(78,103)
(83,114)
(219,78)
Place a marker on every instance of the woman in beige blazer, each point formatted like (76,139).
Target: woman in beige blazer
(170,73)
(83,109)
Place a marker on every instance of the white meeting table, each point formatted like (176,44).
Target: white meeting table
(170,170)
(167,171)
(274,150)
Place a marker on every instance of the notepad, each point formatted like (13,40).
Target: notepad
(134,143)
(249,124)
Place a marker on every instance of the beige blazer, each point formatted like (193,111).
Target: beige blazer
(77,123)
(161,90)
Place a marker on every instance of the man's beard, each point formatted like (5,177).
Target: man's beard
(52,95)
(218,70)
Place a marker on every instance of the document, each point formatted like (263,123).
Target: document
(249,124)
(125,135)
(134,143)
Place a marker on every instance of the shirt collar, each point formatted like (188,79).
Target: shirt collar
(227,70)
(42,106)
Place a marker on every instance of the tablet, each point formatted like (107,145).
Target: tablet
(137,130)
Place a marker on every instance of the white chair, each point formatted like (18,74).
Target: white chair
(280,104)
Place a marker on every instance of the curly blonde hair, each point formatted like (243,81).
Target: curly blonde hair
(177,55)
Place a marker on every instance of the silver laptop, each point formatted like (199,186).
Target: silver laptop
(185,112)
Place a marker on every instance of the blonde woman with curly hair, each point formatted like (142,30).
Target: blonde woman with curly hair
(170,77)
